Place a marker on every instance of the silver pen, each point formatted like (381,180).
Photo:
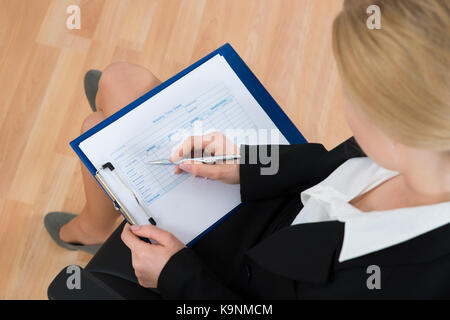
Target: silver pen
(206,160)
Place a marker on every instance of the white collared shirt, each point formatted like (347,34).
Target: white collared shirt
(366,232)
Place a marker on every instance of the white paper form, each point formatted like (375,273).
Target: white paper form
(211,95)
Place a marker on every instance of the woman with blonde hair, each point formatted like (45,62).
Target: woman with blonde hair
(368,219)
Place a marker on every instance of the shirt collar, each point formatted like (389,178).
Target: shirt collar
(377,230)
(367,232)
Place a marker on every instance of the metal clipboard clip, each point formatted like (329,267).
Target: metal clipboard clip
(116,201)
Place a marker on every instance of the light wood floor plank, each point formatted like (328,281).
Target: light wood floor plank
(37,153)
(158,38)
(14,224)
(21,113)
(136,24)
(110,21)
(183,33)
(22,20)
(53,31)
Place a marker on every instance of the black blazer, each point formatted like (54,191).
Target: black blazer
(256,253)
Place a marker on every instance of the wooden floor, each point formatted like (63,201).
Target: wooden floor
(287,43)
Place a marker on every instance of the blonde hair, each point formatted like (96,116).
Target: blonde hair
(399,74)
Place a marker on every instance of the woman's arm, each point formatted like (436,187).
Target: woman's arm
(300,167)
(213,144)
(185,276)
(293,170)
(168,265)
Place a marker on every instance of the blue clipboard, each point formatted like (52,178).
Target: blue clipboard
(251,82)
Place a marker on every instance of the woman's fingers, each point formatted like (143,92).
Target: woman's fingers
(210,171)
(214,143)
(131,240)
(152,232)
(178,170)
(201,144)
(193,143)
(207,151)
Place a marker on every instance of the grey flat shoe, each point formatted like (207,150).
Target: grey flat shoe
(53,222)
(91,79)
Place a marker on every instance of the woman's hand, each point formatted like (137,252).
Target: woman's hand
(213,144)
(149,259)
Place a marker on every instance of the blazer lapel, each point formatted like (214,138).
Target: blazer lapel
(304,252)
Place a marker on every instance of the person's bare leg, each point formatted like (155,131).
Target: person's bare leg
(120,84)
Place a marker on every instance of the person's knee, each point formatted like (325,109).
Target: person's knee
(120,74)
(91,121)
(111,75)
(122,83)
